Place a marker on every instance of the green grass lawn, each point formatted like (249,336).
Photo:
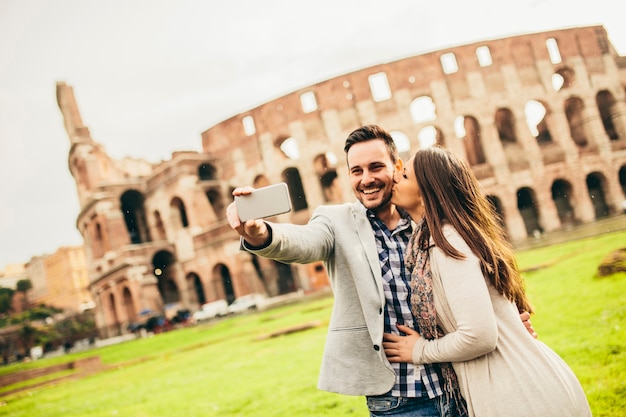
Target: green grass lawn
(228,368)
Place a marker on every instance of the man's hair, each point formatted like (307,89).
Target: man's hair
(372,132)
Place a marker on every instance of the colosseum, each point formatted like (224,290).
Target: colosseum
(540,117)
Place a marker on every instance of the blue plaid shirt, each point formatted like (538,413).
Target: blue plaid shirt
(411,379)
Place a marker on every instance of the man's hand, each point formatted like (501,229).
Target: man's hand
(254,231)
(525,317)
(400,348)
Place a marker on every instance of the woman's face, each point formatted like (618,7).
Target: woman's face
(406,194)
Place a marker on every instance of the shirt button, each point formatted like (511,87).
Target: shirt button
(376,348)
(380,311)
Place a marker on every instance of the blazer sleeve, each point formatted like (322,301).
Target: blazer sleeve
(465,297)
(291,243)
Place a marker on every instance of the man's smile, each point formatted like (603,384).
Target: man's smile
(371,190)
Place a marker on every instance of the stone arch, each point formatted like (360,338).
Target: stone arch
(286,281)
(574,111)
(196,289)
(292,177)
(133,210)
(128,305)
(596,186)
(217,201)
(325,169)
(537,113)
(403,144)
(563,78)
(159,226)
(97,245)
(608,113)
(261,181)
(324,162)
(222,283)
(163,263)
(423,109)
(467,128)
(526,204)
(179,212)
(562,196)
(288,146)
(113,325)
(429,136)
(207,172)
(505,124)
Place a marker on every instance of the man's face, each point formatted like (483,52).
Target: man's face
(371,173)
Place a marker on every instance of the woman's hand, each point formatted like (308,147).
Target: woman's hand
(525,317)
(400,348)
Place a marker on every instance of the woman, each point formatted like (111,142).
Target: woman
(467,294)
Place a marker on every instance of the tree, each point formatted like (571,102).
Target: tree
(6,295)
(23,286)
(28,334)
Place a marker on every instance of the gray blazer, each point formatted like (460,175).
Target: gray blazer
(341,236)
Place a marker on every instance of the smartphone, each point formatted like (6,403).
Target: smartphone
(264,202)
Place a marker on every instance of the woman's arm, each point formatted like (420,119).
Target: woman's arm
(468,299)
(467,296)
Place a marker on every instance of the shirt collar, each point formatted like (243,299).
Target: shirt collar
(405,219)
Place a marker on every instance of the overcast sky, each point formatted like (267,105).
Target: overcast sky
(151,75)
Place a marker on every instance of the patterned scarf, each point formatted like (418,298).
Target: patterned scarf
(423,309)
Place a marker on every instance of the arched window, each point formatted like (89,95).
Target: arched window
(562,197)
(505,123)
(162,263)
(207,172)
(216,200)
(574,111)
(402,144)
(429,136)
(132,205)
(528,210)
(596,186)
(158,225)
(325,168)
(422,109)
(536,115)
(606,107)
(468,129)
(296,191)
(563,78)
(178,210)
(289,147)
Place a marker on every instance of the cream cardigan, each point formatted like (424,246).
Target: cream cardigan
(502,370)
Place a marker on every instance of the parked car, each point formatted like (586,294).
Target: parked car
(245,303)
(211,310)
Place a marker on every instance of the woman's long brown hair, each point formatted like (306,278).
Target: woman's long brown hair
(452,195)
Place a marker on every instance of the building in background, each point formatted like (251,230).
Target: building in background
(12,274)
(66,284)
(541,119)
(58,280)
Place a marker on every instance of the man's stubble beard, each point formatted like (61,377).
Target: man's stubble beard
(383,205)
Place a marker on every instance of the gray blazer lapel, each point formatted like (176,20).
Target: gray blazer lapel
(368,243)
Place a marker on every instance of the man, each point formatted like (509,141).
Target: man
(362,245)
